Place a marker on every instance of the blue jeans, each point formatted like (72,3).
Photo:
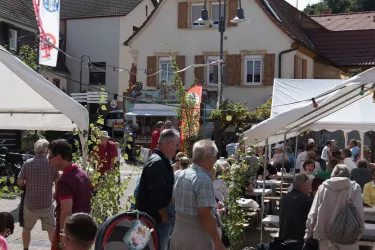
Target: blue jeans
(164,230)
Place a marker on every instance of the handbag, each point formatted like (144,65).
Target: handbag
(346,228)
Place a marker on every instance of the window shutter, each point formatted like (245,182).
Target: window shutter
(304,69)
(269,69)
(151,69)
(199,71)
(233,70)
(180,60)
(183,15)
(232,11)
(296,68)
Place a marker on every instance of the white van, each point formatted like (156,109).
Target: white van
(115,120)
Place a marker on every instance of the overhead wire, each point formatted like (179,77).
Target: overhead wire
(151,102)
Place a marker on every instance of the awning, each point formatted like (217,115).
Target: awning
(146,109)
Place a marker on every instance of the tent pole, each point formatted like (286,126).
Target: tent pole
(264,190)
(269,152)
(283,167)
(84,147)
(362,135)
(346,139)
(295,157)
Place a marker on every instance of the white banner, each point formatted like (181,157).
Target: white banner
(49,11)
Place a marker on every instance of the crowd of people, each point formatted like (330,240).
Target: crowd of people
(69,225)
(187,196)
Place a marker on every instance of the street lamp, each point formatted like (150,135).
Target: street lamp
(204,19)
(80,72)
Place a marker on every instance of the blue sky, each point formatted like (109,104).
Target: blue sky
(302,3)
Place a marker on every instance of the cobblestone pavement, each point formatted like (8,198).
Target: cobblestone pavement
(39,239)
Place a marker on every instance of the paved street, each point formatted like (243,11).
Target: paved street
(39,239)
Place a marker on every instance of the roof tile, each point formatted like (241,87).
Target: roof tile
(347,21)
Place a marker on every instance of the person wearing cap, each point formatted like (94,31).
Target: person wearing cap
(280,159)
(107,153)
(310,141)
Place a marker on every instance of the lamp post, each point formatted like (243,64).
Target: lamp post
(80,72)
(204,19)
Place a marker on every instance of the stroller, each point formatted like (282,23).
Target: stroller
(111,233)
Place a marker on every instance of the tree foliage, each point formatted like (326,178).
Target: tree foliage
(240,114)
(240,175)
(340,6)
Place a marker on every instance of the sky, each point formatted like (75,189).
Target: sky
(302,3)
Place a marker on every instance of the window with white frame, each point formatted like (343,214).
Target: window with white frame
(253,70)
(213,70)
(13,40)
(196,9)
(166,75)
(215,15)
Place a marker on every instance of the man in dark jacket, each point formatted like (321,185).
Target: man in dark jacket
(156,185)
(294,208)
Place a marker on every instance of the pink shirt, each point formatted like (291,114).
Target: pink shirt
(3,243)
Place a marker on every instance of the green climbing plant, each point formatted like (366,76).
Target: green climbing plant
(187,112)
(240,175)
(108,191)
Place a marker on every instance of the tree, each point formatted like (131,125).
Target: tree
(315,9)
(340,6)
(238,115)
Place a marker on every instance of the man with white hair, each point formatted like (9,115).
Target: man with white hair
(156,184)
(38,176)
(195,204)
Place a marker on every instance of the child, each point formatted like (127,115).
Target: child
(5,229)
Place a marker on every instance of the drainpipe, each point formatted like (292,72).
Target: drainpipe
(282,53)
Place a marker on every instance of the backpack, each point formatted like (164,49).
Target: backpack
(346,228)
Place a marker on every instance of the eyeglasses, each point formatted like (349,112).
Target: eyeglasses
(62,234)
(50,157)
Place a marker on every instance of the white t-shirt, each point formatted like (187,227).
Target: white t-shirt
(350,163)
(301,158)
(221,190)
(325,151)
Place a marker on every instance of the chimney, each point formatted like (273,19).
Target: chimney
(327,12)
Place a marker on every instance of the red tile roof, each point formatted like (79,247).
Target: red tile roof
(347,21)
(287,17)
(342,48)
(345,48)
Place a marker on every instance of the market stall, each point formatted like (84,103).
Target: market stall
(30,102)
(293,113)
(333,107)
(146,115)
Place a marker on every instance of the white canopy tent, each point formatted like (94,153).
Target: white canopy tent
(293,111)
(30,102)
